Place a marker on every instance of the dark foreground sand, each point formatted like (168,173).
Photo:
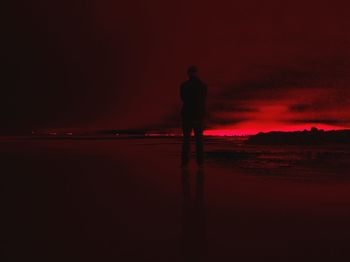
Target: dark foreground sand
(128,200)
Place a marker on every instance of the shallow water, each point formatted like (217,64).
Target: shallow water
(128,200)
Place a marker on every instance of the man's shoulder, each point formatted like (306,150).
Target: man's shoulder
(184,84)
(197,83)
(201,83)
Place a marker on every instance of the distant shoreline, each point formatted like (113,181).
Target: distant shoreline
(307,137)
(99,137)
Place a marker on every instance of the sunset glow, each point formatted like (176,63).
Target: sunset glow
(250,130)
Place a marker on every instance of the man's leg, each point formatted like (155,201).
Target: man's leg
(186,130)
(198,132)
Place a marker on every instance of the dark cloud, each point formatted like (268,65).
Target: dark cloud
(219,121)
(317,88)
(329,100)
(274,82)
(301,108)
(326,121)
(228,106)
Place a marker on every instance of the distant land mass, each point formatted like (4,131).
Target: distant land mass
(307,137)
(137,132)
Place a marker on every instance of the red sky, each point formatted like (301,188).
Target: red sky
(269,65)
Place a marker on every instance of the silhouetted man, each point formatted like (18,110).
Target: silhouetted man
(193,94)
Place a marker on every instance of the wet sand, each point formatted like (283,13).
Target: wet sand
(128,200)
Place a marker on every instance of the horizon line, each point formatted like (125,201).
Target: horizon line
(173,133)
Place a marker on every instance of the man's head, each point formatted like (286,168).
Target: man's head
(192,71)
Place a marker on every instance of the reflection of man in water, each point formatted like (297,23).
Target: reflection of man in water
(194,237)
(193,94)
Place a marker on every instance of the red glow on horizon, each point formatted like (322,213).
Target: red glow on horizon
(250,129)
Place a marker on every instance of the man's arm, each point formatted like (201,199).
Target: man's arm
(182,93)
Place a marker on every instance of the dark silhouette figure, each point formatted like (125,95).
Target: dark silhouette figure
(194,240)
(193,94)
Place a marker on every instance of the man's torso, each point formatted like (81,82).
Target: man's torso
(193,95)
